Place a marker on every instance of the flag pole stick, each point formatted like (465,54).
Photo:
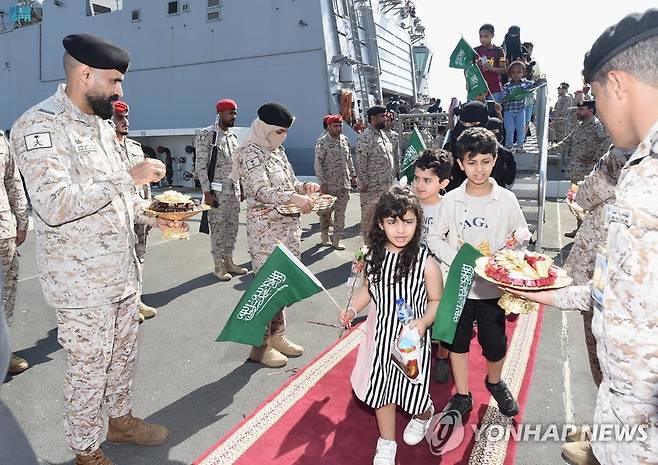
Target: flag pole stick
(332,299)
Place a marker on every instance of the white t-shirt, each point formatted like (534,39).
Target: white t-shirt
(476,233)
(429,218)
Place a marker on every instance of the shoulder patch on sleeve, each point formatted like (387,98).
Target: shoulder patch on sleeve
(252,163)
(39,140)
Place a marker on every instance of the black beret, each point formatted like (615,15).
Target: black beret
(495,124)
(629,31)
(474,112)
(96,52)
(375,110)
(275,114)
(586,103)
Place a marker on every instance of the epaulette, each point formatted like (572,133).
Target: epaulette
(257,147)
(133,141)
(50,107)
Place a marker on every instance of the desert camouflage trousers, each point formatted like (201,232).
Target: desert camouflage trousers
(9,259)
(368,203)
(223,222)
(338,210)
(262,235)
(100,345)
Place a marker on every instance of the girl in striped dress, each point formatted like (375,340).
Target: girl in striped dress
(397,267)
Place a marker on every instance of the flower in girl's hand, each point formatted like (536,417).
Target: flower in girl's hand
(358,266)
(345,319)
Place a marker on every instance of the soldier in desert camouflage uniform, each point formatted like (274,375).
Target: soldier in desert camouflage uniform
(84,209)
(131,152)
(622,67)
(221,192)
(335,171)
(268,181)
(394,137)
(375,164)
(586,144)
(561,114)
(595,192)
(13,231)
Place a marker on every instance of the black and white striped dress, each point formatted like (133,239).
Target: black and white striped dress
(387,384)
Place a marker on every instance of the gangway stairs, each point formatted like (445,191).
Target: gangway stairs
(531,170)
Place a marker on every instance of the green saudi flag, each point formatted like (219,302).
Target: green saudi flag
(416,147)
(282,281)
(518,93)
(463,55)
(455,292)
(475,82)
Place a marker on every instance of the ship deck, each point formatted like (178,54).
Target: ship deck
(200,388)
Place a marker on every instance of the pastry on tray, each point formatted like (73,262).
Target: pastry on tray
(175,206)
(521,268)
(524,270)
(173,202)
(320,202)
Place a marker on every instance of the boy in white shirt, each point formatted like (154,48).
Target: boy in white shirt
(431,177)
(483,214)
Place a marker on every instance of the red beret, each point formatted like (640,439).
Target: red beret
(331,119)
(325,120)
(226,104)
(119,106)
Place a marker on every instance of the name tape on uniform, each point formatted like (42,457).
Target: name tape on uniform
(615,214)
(86,147)
(39,140)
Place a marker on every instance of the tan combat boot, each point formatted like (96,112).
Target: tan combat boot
(141,318)
(324,238)
(579,453)
(268,356)
(97,457)
(17,365)
(221,273)
(337,243)
(135,430)
(281,343)
(234,269)
(146,311)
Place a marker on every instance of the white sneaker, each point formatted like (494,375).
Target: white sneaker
(385,454)
(416,429)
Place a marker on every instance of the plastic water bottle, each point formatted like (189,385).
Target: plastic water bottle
(404,311)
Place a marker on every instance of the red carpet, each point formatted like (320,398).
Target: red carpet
(315,419)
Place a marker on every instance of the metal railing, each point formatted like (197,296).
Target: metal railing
(541,122)
(427,123)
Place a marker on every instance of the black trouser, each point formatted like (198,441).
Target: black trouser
(491,329)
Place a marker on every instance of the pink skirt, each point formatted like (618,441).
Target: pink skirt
(361,372)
